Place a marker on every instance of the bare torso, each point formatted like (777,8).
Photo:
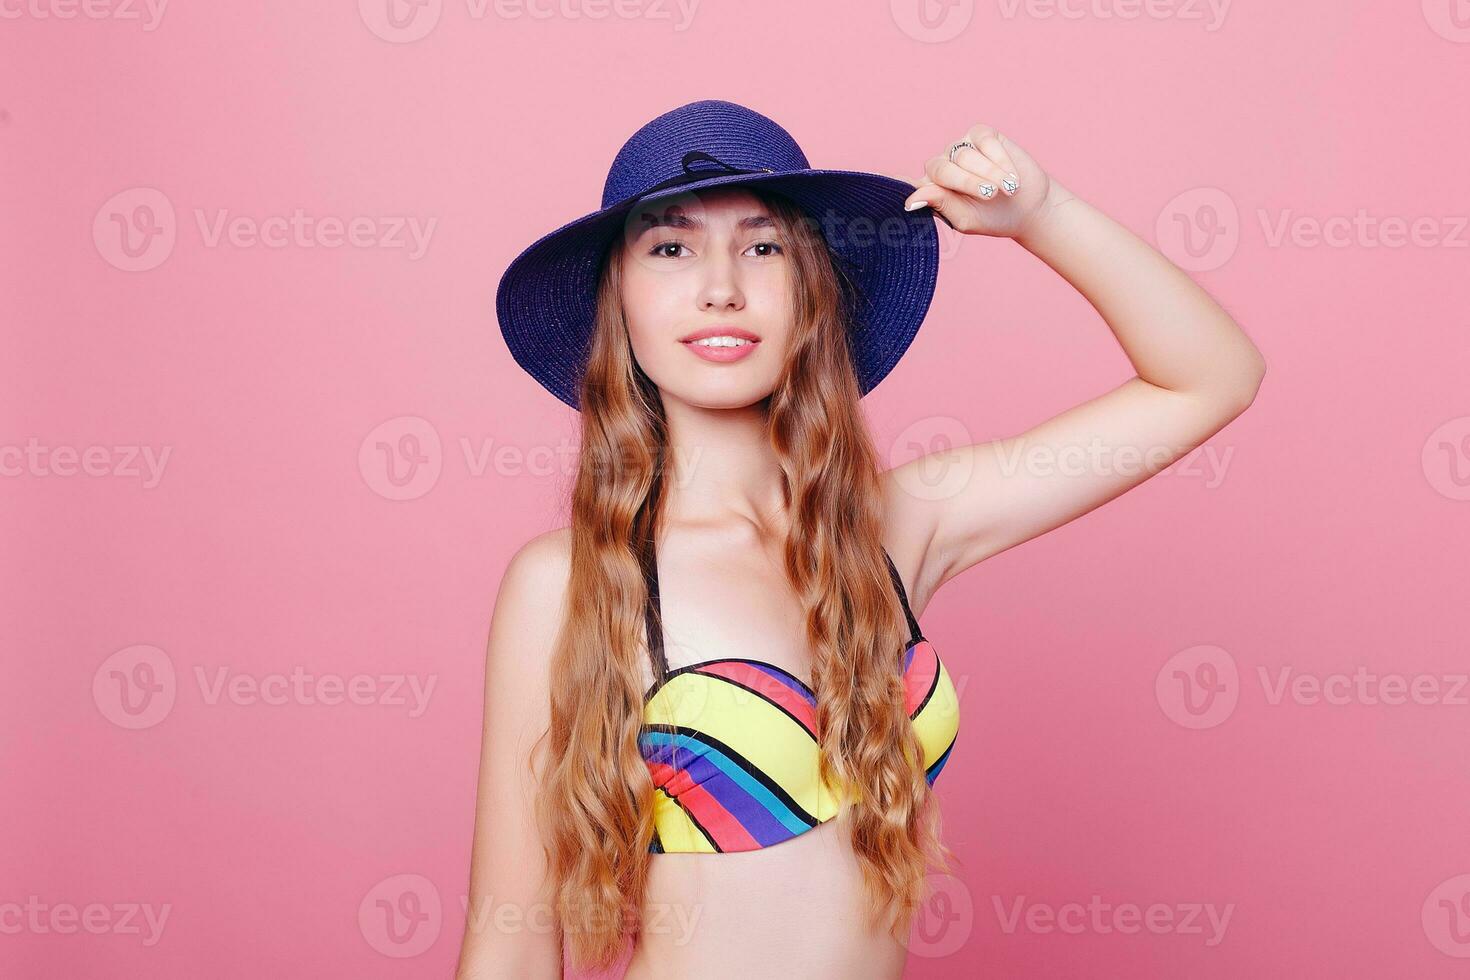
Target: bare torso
(794,908)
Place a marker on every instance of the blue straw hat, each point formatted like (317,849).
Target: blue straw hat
(889,257)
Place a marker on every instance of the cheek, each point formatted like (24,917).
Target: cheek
(647,307)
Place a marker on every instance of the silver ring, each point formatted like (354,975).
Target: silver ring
(956,146)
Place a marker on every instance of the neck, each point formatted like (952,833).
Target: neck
(722,468)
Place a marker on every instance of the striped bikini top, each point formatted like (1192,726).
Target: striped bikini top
(731,743)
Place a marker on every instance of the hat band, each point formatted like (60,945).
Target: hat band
(690,175)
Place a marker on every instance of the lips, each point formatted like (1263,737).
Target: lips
(721,354)
(724,331)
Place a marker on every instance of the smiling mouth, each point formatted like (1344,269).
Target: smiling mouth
(723,340)
(720,335)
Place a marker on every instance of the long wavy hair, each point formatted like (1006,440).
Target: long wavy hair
(596,805)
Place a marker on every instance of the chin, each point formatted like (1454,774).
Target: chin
(743,398)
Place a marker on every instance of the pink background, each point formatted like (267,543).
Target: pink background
(1323,532)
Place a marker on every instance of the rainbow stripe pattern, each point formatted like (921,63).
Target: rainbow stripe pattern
(732,748)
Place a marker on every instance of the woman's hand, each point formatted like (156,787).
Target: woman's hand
(1019,191)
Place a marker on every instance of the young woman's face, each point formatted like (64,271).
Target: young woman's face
(708,264)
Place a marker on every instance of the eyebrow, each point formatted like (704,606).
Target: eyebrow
(675,219)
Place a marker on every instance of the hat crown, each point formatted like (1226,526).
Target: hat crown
(709,138)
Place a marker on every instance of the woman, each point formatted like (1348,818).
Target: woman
(712,721)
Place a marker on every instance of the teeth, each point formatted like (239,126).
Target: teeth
(721,342)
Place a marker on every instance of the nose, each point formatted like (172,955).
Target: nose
(720,287)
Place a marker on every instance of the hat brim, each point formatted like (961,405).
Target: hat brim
(546,299)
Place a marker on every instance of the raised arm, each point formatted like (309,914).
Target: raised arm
(510,930)
(1195,371)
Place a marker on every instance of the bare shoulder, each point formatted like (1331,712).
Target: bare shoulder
(529,608)
(537,573)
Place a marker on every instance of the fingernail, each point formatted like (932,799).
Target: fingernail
(987,191)
(915,205)
(1010,184)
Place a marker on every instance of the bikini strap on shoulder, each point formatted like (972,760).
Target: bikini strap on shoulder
(915,634)
(653,612)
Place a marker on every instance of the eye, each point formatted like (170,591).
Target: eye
(778,250)
(671,243)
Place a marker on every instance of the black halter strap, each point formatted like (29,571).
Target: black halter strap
(653,614)
(653,609)
(915,634)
